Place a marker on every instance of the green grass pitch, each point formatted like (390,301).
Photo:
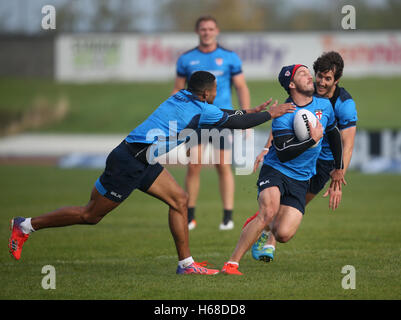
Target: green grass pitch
(130,254)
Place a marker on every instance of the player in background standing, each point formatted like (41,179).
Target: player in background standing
(328,70)
(227,67)
(284,178)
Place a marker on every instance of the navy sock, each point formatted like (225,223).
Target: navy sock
(227,216)
(191,214)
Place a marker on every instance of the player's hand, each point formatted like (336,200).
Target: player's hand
(260,108)
(316,133)
(259,159)
(337,179)
(277,110)
(334,198)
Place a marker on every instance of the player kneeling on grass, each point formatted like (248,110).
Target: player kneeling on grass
(128,167)
(284,178)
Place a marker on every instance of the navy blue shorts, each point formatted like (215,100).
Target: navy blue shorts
(124,173)
(293,192)
(319,180)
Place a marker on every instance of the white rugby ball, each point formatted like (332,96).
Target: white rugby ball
(300,124)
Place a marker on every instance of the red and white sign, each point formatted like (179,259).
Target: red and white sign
(103,57)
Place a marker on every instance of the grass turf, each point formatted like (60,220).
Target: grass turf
(120,107)
(130,254)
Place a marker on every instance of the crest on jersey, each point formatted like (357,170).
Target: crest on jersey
(219,61)
(319,114)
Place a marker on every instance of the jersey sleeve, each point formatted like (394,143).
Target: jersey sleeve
(212,115)
(282,126)
(331,118)
(181,69)
(236,65)
(346,114)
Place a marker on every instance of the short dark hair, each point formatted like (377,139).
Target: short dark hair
(201,81)
(204,18)
(330,61)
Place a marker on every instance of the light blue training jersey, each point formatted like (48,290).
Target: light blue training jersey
(302,167)
(222,63)
(346,116)
(181,111)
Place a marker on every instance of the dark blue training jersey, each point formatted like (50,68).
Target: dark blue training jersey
(302,167)
(346,116)
(224,64)
(180,111)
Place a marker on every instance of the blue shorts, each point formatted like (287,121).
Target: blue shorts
(124,173)
(293,192)
(319,180)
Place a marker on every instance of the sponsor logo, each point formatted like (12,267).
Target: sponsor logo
(264,182)
(305,119)
(115,194)
(219,61)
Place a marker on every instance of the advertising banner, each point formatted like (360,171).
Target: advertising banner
(105,57)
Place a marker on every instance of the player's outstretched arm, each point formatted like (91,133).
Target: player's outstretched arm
(275,111)
(241,120)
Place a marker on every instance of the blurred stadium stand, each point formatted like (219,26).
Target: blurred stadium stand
(27,55)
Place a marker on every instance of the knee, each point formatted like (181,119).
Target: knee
(282,236)
(180,202)
(223,169)
(267,212)
(89,217)
(266,216)
(194,169)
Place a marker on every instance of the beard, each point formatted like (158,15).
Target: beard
(306,91)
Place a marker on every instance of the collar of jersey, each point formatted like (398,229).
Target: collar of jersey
(218,47)
(289,99)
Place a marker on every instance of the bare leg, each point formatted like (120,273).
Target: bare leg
(192,179)
(226,183)
(286,223)
(272,239)
(97,207)
(169,191)
(269,204)
(192,183)
(165,188)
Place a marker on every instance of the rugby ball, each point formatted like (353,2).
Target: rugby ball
(301,127)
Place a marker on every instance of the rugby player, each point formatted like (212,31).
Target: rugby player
(227,67)
(131,166)
(284,178)
(328,70)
